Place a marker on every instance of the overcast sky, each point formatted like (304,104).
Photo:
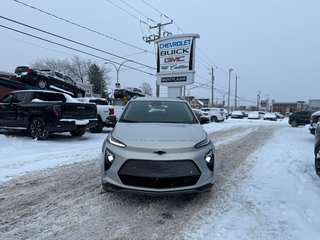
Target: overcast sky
(272,45)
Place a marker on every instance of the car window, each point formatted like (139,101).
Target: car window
(158,111)
(99,101)
(19,97)
(59,75)
(6,99)
(49,97)
(69,80)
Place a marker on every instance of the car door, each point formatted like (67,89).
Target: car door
(305,117)
(14,115)
(5,104)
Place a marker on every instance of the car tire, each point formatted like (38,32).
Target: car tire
(214,119)
(77,133)
(98,128)
(317,166)
(79,94)
(42,84)
(294,123)
(37,129)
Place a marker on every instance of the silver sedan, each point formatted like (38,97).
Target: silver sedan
(158,147)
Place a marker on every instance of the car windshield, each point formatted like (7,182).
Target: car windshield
(158,112)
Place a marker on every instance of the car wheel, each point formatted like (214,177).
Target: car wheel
(42,84)
(214,119)
(317,166)
(79,94)
(77,133)
(37,129)
(294,123)
(98,128)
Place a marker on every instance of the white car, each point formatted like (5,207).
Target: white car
(215,114)
(254,115)
(106,113)
(270,116)
(237,114)
(158,147)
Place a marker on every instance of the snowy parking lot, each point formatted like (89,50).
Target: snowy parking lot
(266,188)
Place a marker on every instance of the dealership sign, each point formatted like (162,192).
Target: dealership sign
(176,60)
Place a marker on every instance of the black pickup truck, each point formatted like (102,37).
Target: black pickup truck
(43,112)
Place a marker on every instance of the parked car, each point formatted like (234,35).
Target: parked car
(237,114)
(47,79)
(106,113)
(314,119)
(128,93)
(203,119)
(270,116)
(214,114)
(157,147)
(317,149)
(300,118)
(44,112)
(279,115)
(254,115)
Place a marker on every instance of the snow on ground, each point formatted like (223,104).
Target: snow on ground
(279,198)
(20,154)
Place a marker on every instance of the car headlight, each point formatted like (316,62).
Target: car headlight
(203,143)
(115,142)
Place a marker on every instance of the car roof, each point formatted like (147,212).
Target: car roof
(159,99)
(45,91)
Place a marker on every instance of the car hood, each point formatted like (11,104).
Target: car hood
(159,135)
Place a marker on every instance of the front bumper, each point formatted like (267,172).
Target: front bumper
(115,188)
(143,171)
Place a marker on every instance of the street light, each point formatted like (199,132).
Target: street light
(230,70)
(117,70)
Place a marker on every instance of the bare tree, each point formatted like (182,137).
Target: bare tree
(76,68)
(146,88)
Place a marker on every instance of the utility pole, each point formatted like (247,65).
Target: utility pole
(235,94)
(230,70)
(258,101)
(212,86)
(152,38)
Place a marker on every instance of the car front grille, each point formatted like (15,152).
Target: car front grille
(159,174)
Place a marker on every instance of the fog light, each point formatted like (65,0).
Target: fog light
(209,158)
(108,159)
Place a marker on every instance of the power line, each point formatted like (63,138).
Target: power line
(83,27)
(35,45)
(76,42)
(74,49)
(127,12)
(138,11)
(149,5)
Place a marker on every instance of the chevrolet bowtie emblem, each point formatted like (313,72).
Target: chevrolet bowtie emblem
(160,152)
